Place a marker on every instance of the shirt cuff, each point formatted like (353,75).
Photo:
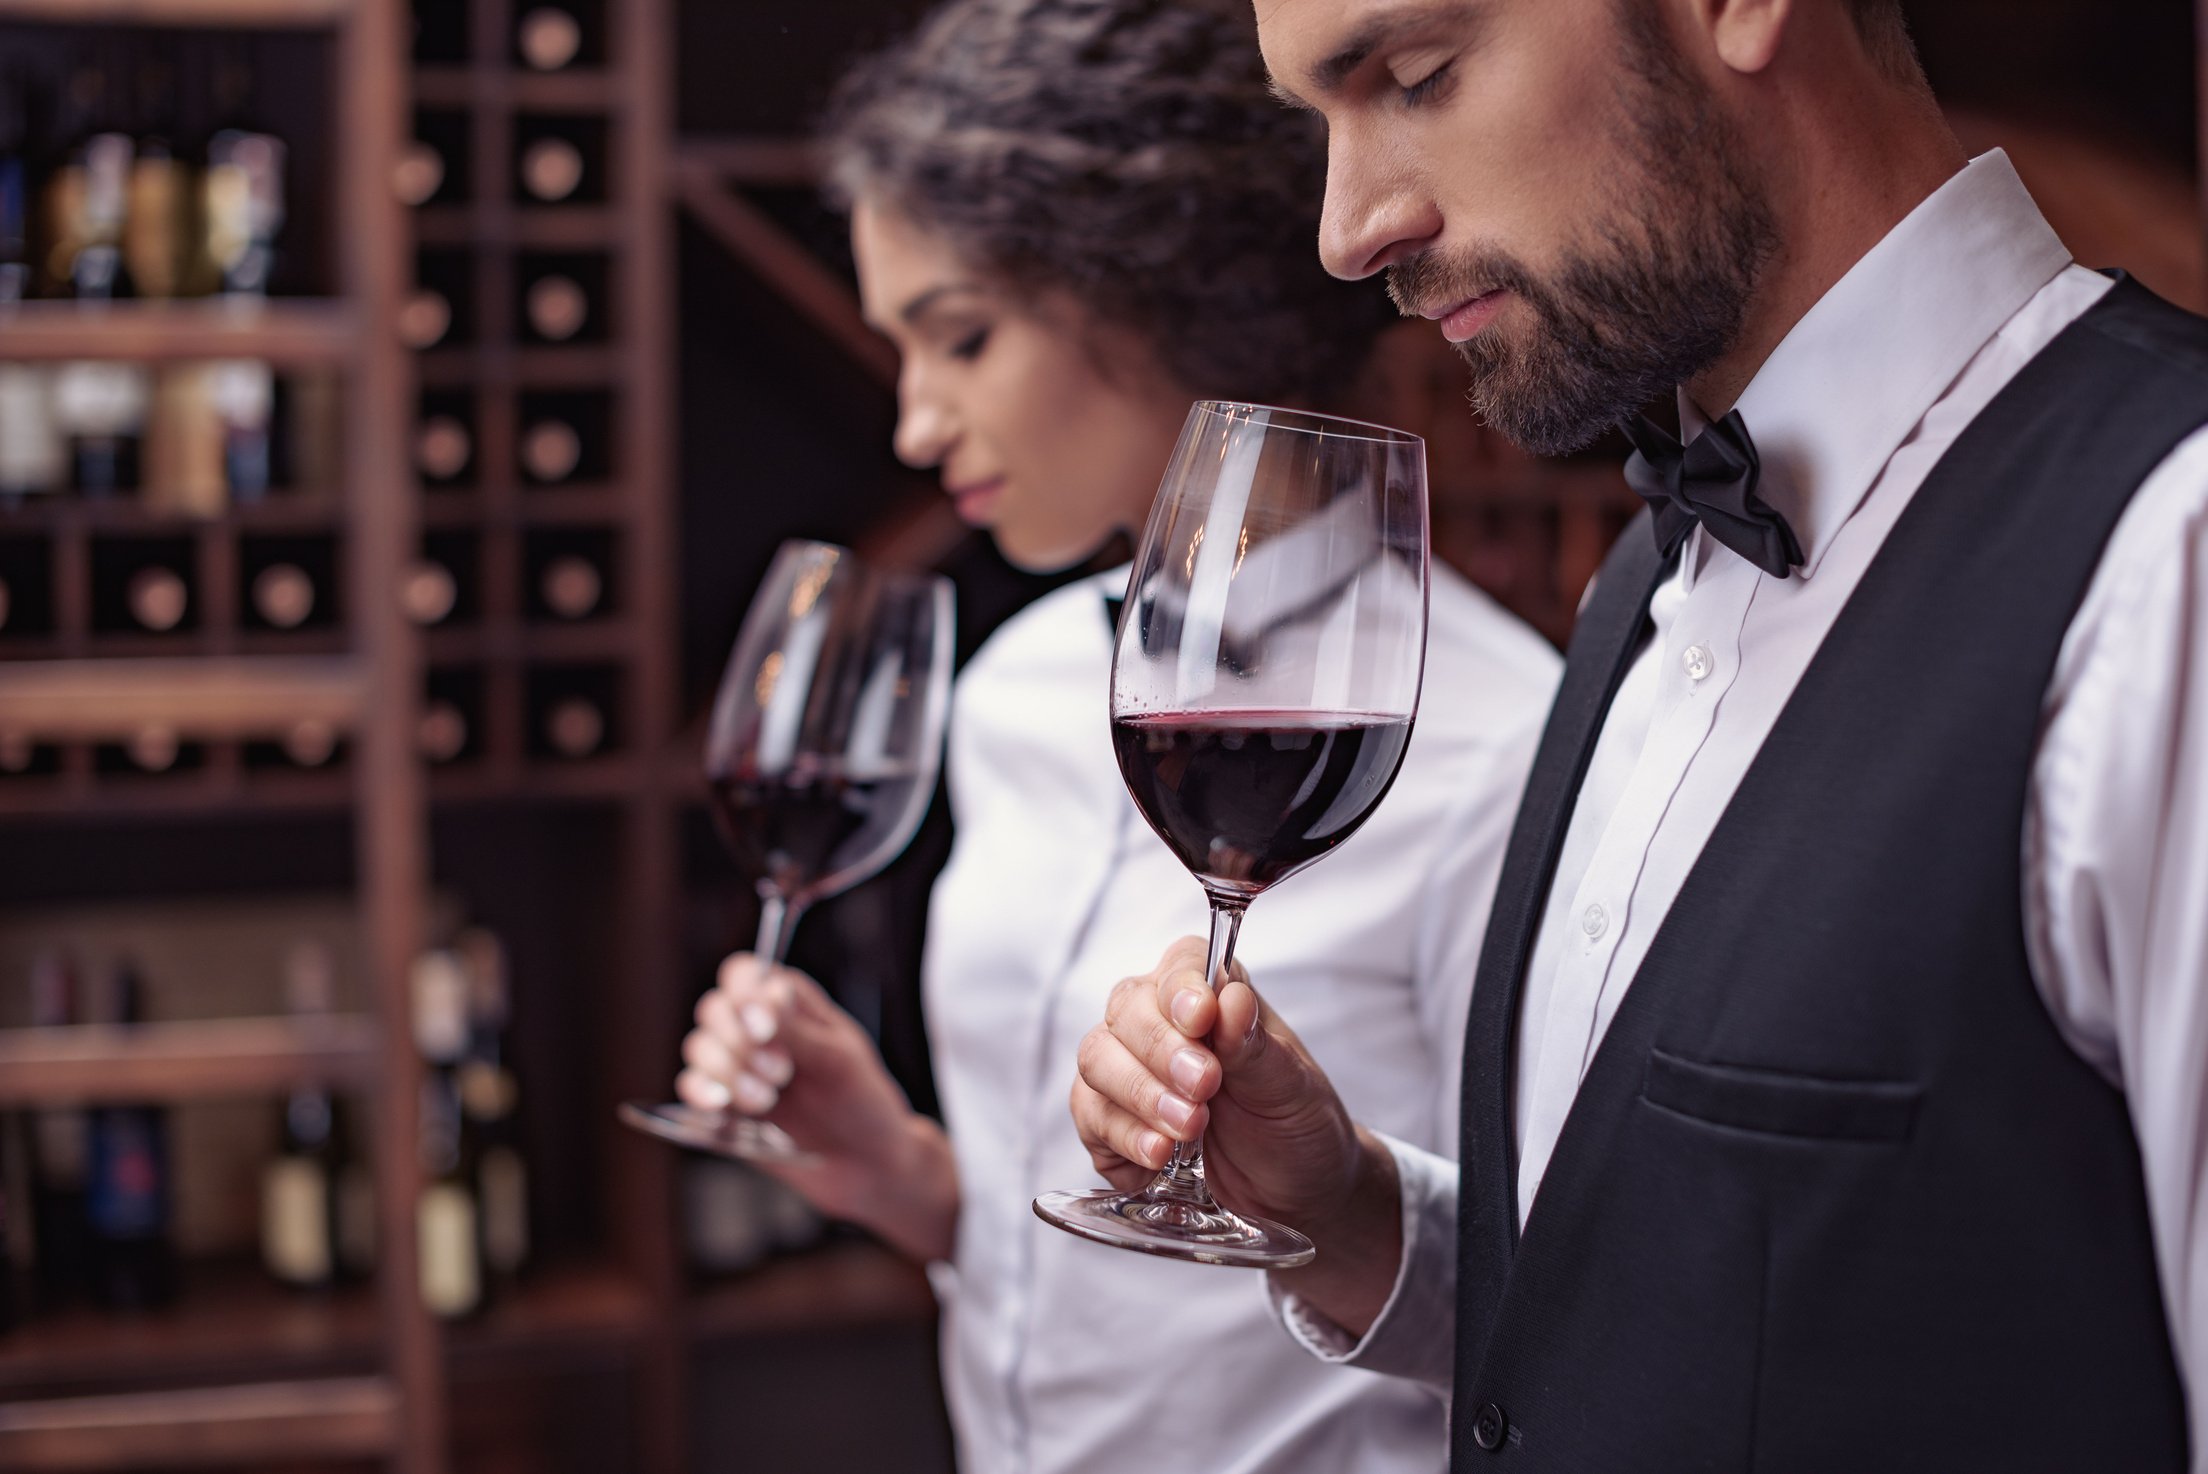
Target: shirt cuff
(1414,1336)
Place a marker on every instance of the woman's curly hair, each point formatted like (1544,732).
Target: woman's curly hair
(1129,154)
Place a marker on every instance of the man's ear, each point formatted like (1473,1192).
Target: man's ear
(1745,33)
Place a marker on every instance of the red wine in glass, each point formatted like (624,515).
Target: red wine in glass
(821,756)
(1248,798)
(1265,675)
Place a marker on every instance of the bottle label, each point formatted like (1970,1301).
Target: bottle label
(295,1221)
(100,398)
(504,1183)
(245,393)
(126,1198)
(451,1281)
(32,454)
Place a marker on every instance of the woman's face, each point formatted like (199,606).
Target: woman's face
(1046,428)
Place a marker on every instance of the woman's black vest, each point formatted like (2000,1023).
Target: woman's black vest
(1834,1194)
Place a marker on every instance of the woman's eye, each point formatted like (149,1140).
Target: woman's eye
(969,347)
(1427,88)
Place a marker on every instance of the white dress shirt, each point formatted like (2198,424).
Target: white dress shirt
(1062,1355)
(1850,413)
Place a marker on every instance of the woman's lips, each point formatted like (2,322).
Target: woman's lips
(1464,321)
(976,501)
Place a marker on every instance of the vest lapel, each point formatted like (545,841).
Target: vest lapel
(1603,643)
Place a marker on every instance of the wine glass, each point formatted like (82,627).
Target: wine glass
(822,755)
(1265,673)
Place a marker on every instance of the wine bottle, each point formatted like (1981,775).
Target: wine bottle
(183,471)
(557,307)
(551,450)
(158,598)
(154,240)
(310,743)
(299,1188)
(572,586)
(551,169)
(33,460)
(443,448)
(60,1149)
(127,1209)
(548,38)
(88,196)
(442,734)
(283,595)
(424,318)
(419,174)
(429,593)
(241,189)
(491,1097)
(447,1222)
(155,748)
(575,726)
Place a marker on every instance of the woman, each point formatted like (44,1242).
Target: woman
(1072,217)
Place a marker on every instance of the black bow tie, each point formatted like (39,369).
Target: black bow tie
(1713,482)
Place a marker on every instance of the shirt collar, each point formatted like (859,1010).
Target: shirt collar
(1856,375)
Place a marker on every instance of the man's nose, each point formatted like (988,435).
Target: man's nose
(1375,213)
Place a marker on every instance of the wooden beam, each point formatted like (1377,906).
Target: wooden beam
(257,14)
(195,1059)
(262,696)
(211,1427)
(282,332)
(752,237)
(792,163)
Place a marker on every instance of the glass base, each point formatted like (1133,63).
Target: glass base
(724,1133)
(1175,1226)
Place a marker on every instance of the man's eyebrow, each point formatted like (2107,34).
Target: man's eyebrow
(1284,97)
(1330,73)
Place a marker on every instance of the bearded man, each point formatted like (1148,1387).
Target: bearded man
(1836,1077)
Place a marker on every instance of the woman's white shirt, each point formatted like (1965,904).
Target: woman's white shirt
(1061,1355)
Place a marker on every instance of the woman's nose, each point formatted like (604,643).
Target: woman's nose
(924,427)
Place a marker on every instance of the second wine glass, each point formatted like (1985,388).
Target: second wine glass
(1265,674)
(822,755)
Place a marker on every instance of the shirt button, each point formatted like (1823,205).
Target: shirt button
(1697,662)
(1490,1427)
(1594,921)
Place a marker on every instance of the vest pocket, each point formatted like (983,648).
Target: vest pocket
(1781,1104)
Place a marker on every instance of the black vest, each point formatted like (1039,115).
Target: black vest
(1834,1194)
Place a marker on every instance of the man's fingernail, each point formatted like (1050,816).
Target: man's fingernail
(1175,1112)
(1187,1006)
(1154,1148)
(774,1067)
(710,1094)
(759,1022)
(1188,1072)
(754,1094)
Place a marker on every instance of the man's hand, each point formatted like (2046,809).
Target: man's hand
(771,1044)
(1173,1061)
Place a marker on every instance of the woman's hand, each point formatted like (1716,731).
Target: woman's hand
(771,1044)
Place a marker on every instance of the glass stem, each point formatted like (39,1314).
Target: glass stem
(1183,1174)
(777,921)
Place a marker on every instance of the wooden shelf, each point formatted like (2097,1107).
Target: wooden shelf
(608,638)
(539,227)
(263,1423)
(244,14)
(305,331)
(842,1286)
(138,798)
(233,1322)
(582,90)
(583,367)
(184,1060)
(284,511)
(568,504)
(206,696)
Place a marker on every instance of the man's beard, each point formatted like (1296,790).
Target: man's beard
(1661,295)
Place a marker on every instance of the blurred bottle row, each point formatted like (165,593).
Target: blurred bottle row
(87,1194)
